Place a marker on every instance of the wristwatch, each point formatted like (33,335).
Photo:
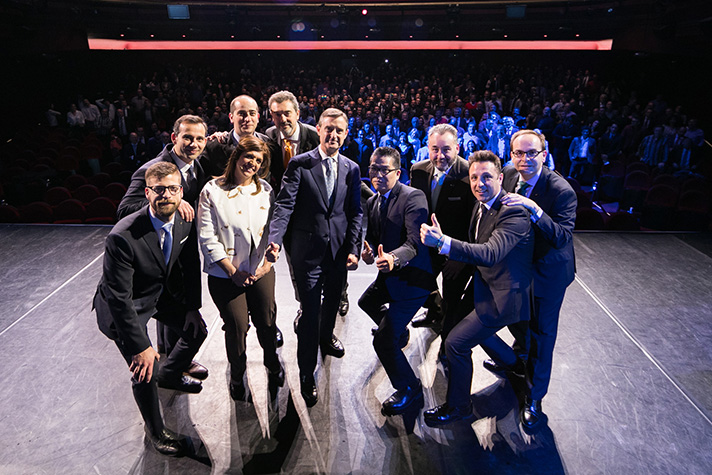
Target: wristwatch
(396,261)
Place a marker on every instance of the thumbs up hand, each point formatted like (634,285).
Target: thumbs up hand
(430,235)
(384,261)
(367,253)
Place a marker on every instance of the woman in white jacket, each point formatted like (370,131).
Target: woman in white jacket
(233,218)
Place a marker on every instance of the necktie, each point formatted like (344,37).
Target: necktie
(478,218)
(438,180)
(523,187)
(167,241)
(383,212)
(329,177)
(288,151)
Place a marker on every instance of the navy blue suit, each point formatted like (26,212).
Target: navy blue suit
(322,234)
(404,288)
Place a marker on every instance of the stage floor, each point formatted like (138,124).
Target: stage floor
(630,393)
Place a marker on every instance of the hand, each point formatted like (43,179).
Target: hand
(194,319)
(261,272)
(220,137)
(511,199)
(430,235)
(142,364)
(352,262)
(186,211)
(272,252)
(367,254)
(384,261)
(241,278)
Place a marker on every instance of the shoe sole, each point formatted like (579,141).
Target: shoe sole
(403,409)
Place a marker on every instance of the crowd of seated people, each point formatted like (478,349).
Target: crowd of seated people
(387,105)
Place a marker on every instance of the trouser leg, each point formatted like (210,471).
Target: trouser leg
(232,305)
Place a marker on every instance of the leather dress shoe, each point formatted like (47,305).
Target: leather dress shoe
(332,347)
(446,414)
(519,368)
(401,400)
(307,387)
(296,319)
(425,319)
(166,443)
(185,384)
(278,338)
(531,415)
(237,390)
(275,379)
(197,371)
(344,305)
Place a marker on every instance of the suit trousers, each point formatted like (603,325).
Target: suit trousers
(392,320)
(544,328)
(467,334)
(172,315)
(318,316)
(237,305)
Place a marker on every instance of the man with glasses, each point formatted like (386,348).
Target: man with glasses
(551,203)
(188,142)
(444,180)
(151,269)
(405,277)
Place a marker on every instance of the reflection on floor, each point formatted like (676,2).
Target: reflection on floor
(630,389)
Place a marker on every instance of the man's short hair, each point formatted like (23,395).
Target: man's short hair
(388,152)
(282,96)
(519,133)
(233,103)
(441,129)
(189,119)
(161,170)
(485,156)
(332,113)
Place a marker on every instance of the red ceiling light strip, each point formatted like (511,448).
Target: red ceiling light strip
(106,44)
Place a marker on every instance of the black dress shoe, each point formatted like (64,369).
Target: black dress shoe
(276,378)
(197,371)
(332,347)
(344,305)
(296,319)
(519,368)
(447,414)
(237,390)
(307,386)
(278,338)
(167,443)
(425,319)
(185,384)
(531,415)
(401,400)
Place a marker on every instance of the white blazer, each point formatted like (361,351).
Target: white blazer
(231,224)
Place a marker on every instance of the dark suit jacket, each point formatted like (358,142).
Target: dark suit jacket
(400,234)
(503,256)
(316,227)
(136,281)
(215,156)
(554,260)
(135,197)
(308,140)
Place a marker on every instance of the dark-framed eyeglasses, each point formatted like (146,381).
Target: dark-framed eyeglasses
(378,171)
(529,153)
(159,189)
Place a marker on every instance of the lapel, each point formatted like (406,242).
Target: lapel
(510,180)
(318,175)
(340,186)
(540,186)
(180,233)
(488,219)
(151,239)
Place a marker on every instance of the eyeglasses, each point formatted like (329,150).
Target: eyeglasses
(378,171)
(159,190)
(528,153)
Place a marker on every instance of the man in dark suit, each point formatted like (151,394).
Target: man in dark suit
(501,244)
(551,203)
(320,201)
(444,180)
(189,140)
(151,269)
(405,277)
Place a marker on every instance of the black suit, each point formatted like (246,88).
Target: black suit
(501,284)
(404,288)
(322,234)
(308,140)
(453,208)
(136,285)
(554,268)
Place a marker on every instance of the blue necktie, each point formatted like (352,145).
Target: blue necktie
(167,241)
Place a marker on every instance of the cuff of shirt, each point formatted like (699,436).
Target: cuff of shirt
(537,216)
(445,248)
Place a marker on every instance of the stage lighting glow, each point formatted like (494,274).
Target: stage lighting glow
(364,12)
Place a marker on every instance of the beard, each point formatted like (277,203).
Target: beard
(165,209)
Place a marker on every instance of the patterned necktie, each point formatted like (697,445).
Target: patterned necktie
(167,241)
(329,177)
(478,218)
(438,180)
(288,151)
(523,187)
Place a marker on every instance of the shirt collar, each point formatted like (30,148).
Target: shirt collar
(156,221)
(324,155)
(533,180)
(182,166)
(489,204)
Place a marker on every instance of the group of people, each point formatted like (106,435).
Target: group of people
(501,238)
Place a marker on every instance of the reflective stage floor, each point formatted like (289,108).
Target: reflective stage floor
(631,390)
